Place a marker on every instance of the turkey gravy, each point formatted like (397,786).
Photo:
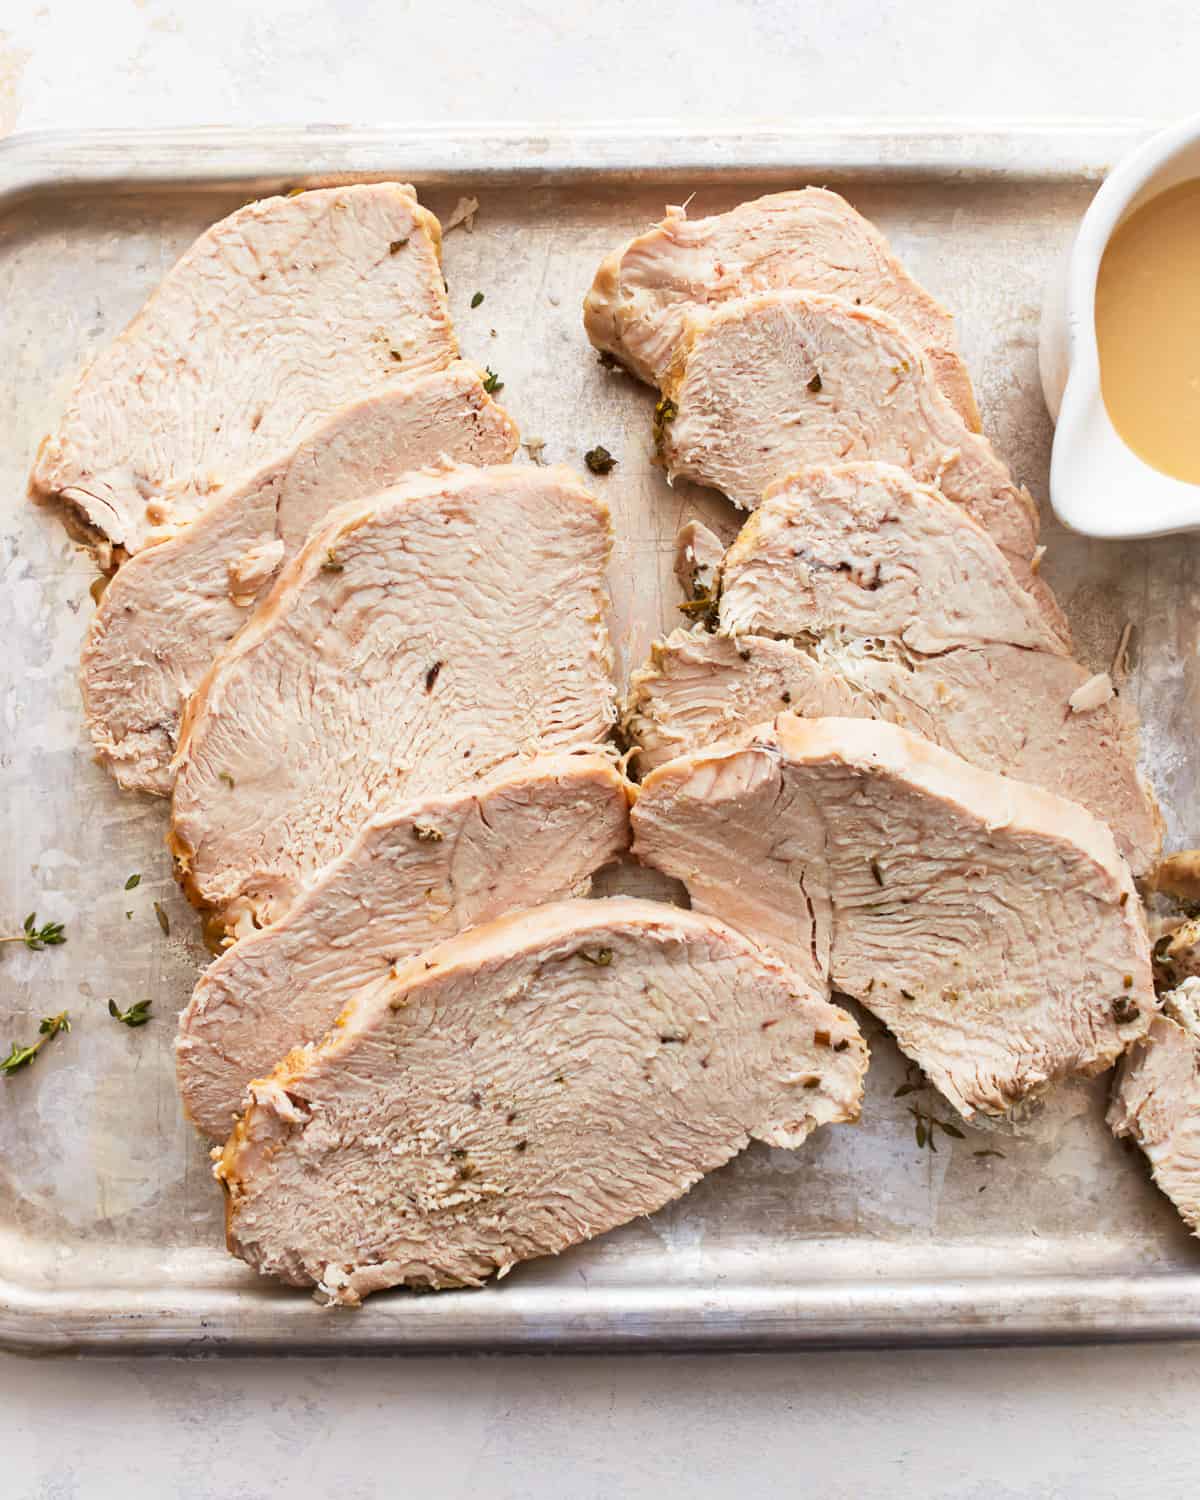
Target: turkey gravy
(1148,331)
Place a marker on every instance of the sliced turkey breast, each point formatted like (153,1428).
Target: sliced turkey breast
(414,875)
(525,1086)
(417,641)
(897,606)
(1156,1099)
(171,609)
(865,549)
(277,316)
(1178,876)
(812,239)
(766,384)
(1002,708)
(1177,951)
(994,928)
(698,688)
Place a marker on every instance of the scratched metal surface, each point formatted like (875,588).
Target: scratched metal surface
(111,1235)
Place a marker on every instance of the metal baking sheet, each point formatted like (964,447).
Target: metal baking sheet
(112,1227)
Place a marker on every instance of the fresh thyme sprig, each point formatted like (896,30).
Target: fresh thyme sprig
(49,935)
(21,1057)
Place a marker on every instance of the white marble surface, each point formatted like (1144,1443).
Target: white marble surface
(988,1424)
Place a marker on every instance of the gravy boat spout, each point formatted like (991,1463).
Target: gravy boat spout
(1098,485)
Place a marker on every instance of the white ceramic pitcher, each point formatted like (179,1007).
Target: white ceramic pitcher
(1098,485)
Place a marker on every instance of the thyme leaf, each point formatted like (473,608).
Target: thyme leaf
(666,411)
(137,1014)
(601,958)
(493,383)
(925,1125)
(600,460)
(133,882)
(22,1057)
(477,299)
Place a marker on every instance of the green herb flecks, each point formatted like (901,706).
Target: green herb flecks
(698,607)
(49,935)
(332,563)
(492,383)
(163,920)
(664,413)
(914,1081)
(477,300)
(22,1057)
(133,882)
(814,384)
(137,1014)
(397,245)
(600,460)
(925,1127)
(601,958)
(227,779)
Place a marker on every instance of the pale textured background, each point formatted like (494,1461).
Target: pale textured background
(988,1424)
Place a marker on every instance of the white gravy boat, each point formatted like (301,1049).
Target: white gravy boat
(1098,485)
